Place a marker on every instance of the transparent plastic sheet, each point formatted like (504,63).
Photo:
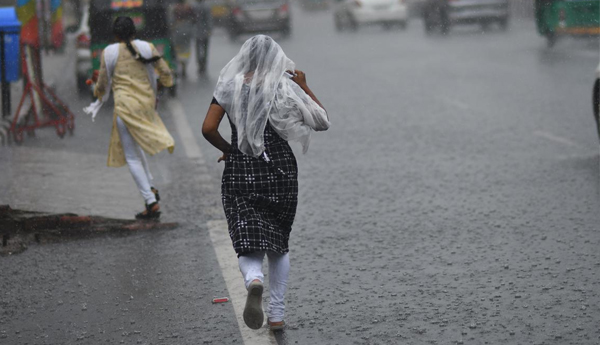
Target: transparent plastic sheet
(254,88)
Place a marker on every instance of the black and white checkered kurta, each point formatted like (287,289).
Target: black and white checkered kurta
(260,195)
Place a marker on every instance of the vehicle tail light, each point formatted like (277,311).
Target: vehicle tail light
(357,3)
(284,8)
(236,11)
(83,41)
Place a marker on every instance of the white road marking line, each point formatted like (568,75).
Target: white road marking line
(556,138)
(219,236)
(190,146)
(235,284)
(214,211)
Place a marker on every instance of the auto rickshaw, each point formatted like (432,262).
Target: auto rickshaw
(556,18)
(151,21)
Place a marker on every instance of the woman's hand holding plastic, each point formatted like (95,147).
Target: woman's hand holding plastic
(298,77)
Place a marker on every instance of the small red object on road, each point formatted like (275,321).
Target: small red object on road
(220,300)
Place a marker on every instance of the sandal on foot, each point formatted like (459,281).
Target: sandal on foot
(253,313)
(150,213)
(155,191)
(275,326)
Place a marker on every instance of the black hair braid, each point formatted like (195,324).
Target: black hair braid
(138,56)
(124,29)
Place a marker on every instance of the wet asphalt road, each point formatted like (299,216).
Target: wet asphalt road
(454,201)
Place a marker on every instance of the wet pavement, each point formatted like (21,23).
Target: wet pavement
(454,201)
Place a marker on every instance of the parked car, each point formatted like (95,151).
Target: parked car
(596,100)
(258,16)
(83,55)
(443,14)
(350,14)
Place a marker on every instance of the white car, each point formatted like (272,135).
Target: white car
(445,13)
(83,54)
(258,16)
(349,14)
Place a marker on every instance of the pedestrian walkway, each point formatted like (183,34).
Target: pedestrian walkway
(60,180)
(69,175)
(54,66)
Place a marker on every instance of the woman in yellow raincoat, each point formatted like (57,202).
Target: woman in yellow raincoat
(129,67)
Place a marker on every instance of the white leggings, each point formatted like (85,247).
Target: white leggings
(136,161)
(279,270)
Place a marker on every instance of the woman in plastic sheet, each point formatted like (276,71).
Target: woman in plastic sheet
(129,68)
(268,103)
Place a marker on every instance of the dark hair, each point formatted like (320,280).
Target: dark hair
(258,50)
(124,30)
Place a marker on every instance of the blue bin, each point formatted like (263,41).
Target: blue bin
(10,27)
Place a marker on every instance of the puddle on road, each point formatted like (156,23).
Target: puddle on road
(20,229)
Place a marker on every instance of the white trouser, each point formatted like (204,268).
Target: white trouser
(136,161)
(279,271)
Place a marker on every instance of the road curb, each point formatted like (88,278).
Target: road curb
(19,229)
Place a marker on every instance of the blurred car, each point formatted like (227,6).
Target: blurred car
(349,14)
(596,99)
(83,54)
(257,16)
(443,14)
